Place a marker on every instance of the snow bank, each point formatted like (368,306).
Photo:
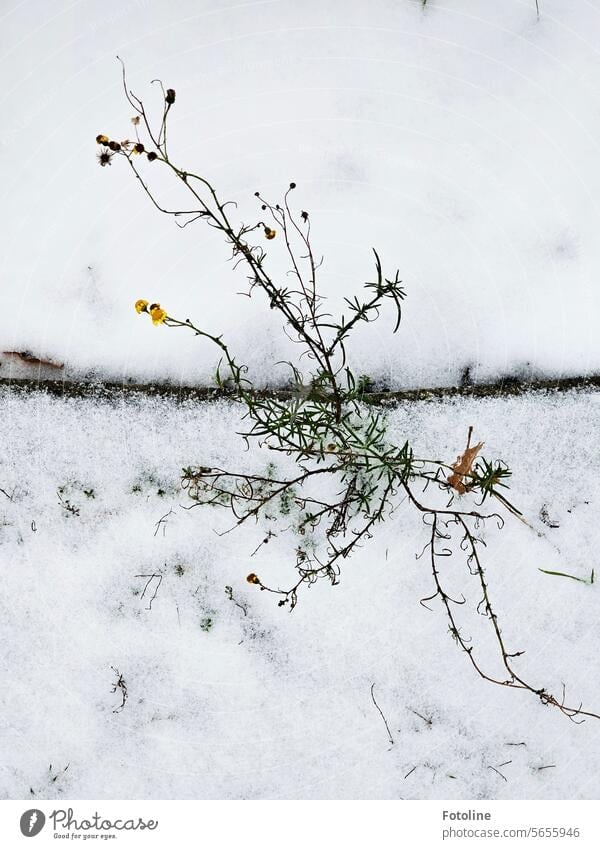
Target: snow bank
(461,140)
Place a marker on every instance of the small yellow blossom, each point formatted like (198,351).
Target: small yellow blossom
(141,306)
(253,579)
(102,139)
(158,314)
(270,234)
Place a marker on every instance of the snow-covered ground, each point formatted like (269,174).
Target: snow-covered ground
(461,139)
(240,699)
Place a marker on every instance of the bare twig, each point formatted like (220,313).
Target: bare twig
(230,596)
(427,720)
(387,727)
(162,522)
(148,582)
(497,769)
(122,687)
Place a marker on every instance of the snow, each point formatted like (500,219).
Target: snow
(250,701)
(460,139)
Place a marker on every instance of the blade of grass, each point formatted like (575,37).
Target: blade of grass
(573,577)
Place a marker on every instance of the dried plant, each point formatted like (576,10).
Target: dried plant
(348,476)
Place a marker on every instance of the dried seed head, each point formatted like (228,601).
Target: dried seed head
(292,185)
(170,96)
(114,145)
(152,156)
(102,139)
(270,234)
(252,578)
(139,147)
(104,158)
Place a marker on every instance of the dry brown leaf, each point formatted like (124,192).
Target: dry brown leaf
(463,465)
(31,359)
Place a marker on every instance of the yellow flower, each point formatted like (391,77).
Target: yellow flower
(140,306)
(158,314)
(270,234)
(102,139)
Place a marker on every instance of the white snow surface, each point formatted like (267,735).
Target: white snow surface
(249,701)
(460,139)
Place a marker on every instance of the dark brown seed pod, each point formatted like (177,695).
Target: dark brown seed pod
(139,147)
(152,156)
(170,96)
(104,158)
(114,145)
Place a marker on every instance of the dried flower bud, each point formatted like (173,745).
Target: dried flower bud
(292,185)
(114,145)
(139,147)
(152,156)
(104,158)
(135,120)
(253,579)
(270,234)
(170,97)
(102,139)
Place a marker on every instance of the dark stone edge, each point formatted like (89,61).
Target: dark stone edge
(107,390)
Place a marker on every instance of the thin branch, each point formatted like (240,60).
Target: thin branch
(387,727)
